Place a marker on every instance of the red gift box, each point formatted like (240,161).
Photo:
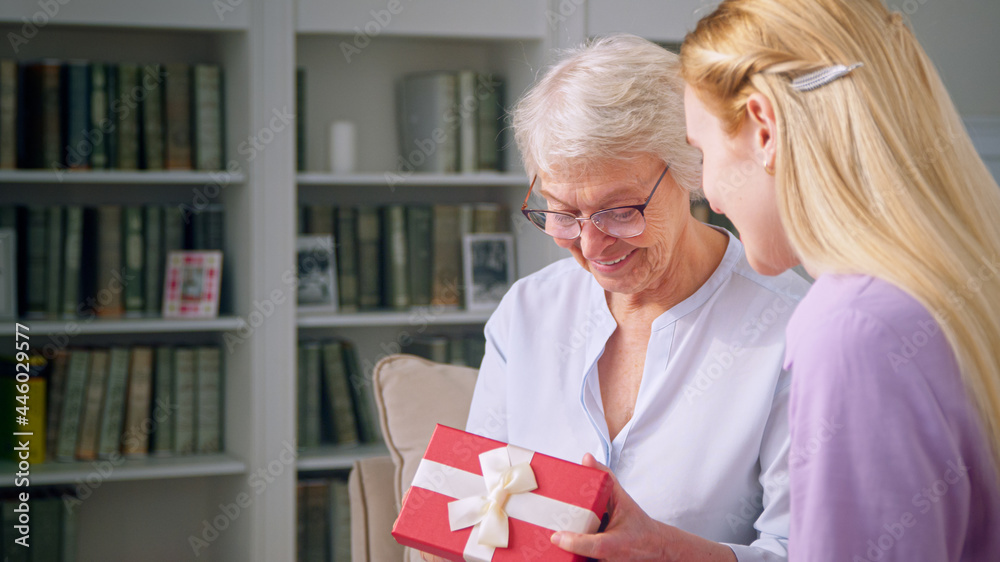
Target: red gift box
(487,489)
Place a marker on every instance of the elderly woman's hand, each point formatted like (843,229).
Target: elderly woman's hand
(633,535)
(431,557)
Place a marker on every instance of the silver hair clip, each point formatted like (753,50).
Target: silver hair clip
(822,77)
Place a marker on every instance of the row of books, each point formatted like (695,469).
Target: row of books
(336,405)
(89,115)
(323,521)
(51,532)
(450,122)
(465,350)
(108,261)
(399,256)
(103,402)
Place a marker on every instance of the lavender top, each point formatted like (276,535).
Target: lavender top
(888,458)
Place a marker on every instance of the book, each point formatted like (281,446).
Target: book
(316,271)
(27,414)
(47,519)
(152,280)
(395,267)
(300,521)
(317,496)
(111,120)
(468,140)
(8,113)
(208,396)
(125,113)
(53,267)
(72,261)
(99,123)
(319,219)
(71,411)
(347,258)
(336,389)
(184,400)
(419,231)
(90,422)
(173,229)
(13,550)
(8,273)
(361,394)
(428,140)
(43,115)
(300,119)
(37,275)
(369,258)
(447,256)
(68,535)
(109,261)
(151,124)
(177,116)
(133,249)
(163,402)
(491,115)
(58,375)
(340,521)
(309,395)
(76,114)
(487,218)
(138,418)
(207,118)
(113,415)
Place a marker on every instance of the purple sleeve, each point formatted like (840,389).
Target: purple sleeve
(876,474)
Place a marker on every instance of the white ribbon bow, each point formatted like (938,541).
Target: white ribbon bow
(502,480)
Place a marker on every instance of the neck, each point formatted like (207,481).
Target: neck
(695,257)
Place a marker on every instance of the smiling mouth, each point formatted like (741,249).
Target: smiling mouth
(613,262)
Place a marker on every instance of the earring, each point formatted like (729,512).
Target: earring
(769,170)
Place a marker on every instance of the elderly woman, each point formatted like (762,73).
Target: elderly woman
(656,349)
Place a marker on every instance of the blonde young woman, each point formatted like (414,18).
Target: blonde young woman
(851,159)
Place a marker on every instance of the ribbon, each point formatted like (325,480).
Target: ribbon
(508,482)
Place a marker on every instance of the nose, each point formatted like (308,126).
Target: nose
(593,241)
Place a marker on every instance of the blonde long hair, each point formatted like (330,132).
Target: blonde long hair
(876,173)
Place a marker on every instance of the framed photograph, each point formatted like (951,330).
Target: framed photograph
(488,260)
(317,268)
(191,284)
(8,273)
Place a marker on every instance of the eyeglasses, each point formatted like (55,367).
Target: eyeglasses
(620,222)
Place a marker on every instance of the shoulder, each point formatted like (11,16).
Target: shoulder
(788,284)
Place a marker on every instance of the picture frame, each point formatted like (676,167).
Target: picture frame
(316,264)
(8,273)
(192,283)
(488,263)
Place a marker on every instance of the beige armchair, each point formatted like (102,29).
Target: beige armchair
(412,395)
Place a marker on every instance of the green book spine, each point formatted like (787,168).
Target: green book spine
(72,406)
(13,551)
(76,117)
(37,261)
(340,521)
(47,515)
(320,219)
(396,284)
(152,117)
(419,240)
(90,422)
(109,261)
(113,415)
(177,117)
(184,391)
(468,151)
(51,122)
(72,261)
(447,256)
(53,269)
(317,510)
(154,259)
(369,258)
(364,399)
(68,537)
(311,393)
(490,92)
(132,253)
(208,433)
(8,113)
(57,393)
(135,439)
(300,119)
(347,258)
(127,117)
(173,229)
(111,112)
(208,117)
(338,394)
(487,218)
(99,115)
(163,402)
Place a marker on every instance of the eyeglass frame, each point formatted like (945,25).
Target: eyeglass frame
(640,208)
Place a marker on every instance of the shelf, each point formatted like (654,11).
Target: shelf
(123,326)
(401,179)
(151,468)
(414,317)
(337,457)
(121,177)
(197,16)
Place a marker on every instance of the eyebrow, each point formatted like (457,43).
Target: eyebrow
(606,203)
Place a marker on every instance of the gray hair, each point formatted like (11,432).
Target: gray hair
(614,99)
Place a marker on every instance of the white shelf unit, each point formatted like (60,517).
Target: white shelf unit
(112,326)
(121,470)
(332,457)
(119,177)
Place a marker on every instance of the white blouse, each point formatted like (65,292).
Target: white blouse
(706,449)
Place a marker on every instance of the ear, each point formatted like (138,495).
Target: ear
(760,115)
